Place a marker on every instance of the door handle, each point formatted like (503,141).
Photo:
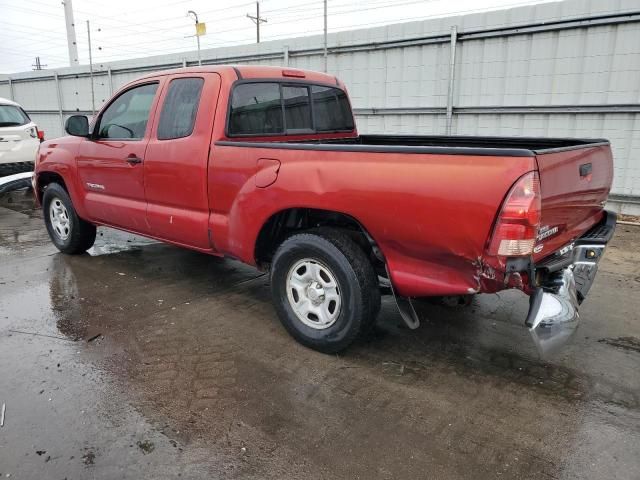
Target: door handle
(133,160)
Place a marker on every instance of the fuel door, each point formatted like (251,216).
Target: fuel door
(267,172)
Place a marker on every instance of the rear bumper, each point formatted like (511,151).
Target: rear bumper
(19,150)
(553,312)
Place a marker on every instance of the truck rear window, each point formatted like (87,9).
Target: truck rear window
(256,109)
(297,109)
(272,108)
(331,109)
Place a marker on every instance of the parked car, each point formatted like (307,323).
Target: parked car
(265,165)
(16,181)
(19,139)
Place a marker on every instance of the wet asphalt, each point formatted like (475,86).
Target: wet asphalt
(143,360)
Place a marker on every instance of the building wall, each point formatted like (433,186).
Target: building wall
(569,68)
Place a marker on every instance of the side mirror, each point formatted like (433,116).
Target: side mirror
(77,125)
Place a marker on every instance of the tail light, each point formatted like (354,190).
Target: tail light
(517,225)
(41,135)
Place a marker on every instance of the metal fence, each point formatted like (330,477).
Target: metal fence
(569,68)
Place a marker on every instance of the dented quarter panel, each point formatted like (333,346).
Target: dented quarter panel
(430,214)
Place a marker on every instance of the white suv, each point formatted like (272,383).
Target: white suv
(19,139)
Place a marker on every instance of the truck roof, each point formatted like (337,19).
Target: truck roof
(252,71)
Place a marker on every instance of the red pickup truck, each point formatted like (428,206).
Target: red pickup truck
(265,165)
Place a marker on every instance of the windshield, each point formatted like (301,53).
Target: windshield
(12,116)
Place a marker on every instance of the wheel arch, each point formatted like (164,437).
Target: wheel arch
(286,222)
(65,178)
(44,179)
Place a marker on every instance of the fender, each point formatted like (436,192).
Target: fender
(58,157)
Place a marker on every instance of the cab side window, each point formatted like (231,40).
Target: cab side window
(127,116)
(180,108)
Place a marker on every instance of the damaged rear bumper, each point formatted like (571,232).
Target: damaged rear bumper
(553,312)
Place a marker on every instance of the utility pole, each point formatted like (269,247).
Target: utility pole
(325,36)
(37,65)
(257,20)
(93,96)
(71,33)
(198,32)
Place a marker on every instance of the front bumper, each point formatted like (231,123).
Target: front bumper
(553,312)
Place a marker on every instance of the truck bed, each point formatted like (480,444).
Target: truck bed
(575,174)
(454,145)
(531,144)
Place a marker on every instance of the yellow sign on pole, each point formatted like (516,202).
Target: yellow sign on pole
(201,29)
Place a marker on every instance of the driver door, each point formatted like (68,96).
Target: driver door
(110,163)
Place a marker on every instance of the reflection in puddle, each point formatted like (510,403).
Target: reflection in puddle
(110,241)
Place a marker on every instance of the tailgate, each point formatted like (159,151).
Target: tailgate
(575,183)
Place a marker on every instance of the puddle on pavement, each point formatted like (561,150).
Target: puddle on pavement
(20,201)
(109,241)
(194,341)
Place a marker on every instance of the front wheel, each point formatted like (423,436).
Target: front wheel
(324,289)
(68,232)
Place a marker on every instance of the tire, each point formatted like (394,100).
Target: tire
(315,267)
(68,232)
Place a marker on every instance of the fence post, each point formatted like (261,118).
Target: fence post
(59,95)
(285,54)
(11,90)
(452,76)
(110,78)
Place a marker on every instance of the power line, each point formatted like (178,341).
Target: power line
(34,12)
(157,31)
(144,9)
(25,55)
(298,13)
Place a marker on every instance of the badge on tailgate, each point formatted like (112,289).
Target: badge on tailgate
(545,232)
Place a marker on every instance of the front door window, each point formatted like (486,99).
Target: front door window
(127,116)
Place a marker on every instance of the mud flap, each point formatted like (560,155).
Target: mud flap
(405,307)
(407,311)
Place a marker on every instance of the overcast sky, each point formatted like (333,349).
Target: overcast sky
(123,29)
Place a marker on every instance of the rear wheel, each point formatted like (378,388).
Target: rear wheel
(324,289)
(68,232)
